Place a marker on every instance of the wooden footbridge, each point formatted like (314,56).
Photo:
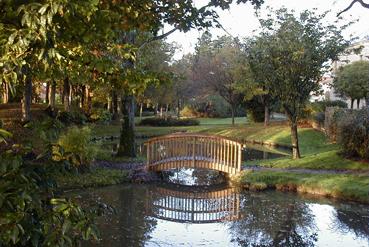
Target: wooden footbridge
(194,151)
(196,207)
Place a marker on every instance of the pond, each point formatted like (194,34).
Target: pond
(174,215)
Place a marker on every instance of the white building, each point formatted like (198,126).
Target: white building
(351,56)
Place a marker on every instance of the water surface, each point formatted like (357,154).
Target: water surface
(173,215)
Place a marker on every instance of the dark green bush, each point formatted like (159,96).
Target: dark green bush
(169,122)
(73,117)
(30,215)
(353,133)
(101,115)
(319,118)
(320,106)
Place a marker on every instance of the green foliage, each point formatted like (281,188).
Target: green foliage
(352,80)
(75,146)
(291,52)
(320,106)
(94,178)
(30,216)
(75,116)
(169,122)
(100,116)
(353,133)
(255,110)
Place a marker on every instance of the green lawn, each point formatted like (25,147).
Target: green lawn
(316,152)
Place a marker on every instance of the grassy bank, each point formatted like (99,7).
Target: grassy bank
(95,178)
(345,187)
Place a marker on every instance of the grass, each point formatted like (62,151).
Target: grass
(346,187)
(317,152)
(95,178)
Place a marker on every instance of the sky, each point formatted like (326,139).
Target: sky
(240,20)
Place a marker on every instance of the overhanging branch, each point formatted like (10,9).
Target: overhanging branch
(365,5)
(164,35)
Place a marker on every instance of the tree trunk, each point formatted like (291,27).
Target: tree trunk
(178,109)
(358,103)
(161,111)
(127,143)
(141,108)
(295,140)
(367,102)
(232,113)
(110,102)
(66,95)
(27,99)
(266,116)
(52,95)
(115,105)
(5,93)
(352,103)
(47,94)
(87,100)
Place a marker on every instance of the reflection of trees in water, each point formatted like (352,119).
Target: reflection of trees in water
(129,225)
(278,221)
(354,219)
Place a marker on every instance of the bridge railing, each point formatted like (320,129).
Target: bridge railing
(202,151)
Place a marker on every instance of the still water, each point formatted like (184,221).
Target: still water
(174,215)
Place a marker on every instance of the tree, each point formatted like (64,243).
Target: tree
(220,66)
(295,50)
(352,81)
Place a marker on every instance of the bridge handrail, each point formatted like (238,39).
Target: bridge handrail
(204,151)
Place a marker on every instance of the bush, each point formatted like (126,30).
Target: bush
(320,106)
(75,146)
(29,213)
(189,112)
(319,118)
(169,122)
(73,117)
(353,133)
(101,115)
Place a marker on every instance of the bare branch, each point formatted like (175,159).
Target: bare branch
(164,35)
(365,5)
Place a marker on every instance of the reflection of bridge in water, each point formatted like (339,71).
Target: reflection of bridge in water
(195,207)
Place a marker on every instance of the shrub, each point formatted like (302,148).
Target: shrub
(319,118)
(101,115)
(320,106)
(29,213)
(76,146)
(189,112)
(255,110)
(169,122)
(73,117)
(353,133)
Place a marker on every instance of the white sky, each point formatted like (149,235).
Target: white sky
(240,20)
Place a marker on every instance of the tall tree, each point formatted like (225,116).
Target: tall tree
(295,51)
(219,64)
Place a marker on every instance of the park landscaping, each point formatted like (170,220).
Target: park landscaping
(83,84)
